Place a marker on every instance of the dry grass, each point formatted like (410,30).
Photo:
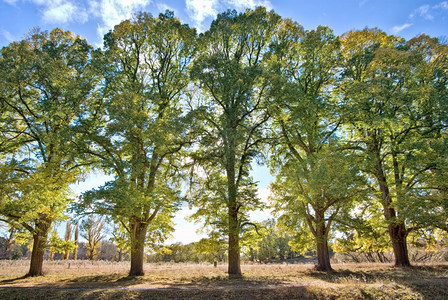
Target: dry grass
(93,280)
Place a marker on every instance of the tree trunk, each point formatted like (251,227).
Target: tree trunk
(39,244)
(90,254)
(120,255)
(75,251)
(398,235)
(234,266)
(323,254)
(397,231)
(138,237)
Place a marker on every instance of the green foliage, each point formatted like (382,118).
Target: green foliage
(45,82)
(357,128)
(394,106)
(233,118)
(59,245)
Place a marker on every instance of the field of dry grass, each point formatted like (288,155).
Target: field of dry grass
(104,280)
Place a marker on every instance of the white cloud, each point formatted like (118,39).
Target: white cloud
(61,11)
(363,2)
(442,5)
(242,4)
(8,36)
(427,12)
(162,7)
(397,29)
(264,193)
(112,12)
(200,10)
(64,13)
(11,2)
(424,11)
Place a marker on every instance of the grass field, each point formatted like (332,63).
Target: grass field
(105,280)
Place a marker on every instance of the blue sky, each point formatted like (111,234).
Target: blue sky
(91,19)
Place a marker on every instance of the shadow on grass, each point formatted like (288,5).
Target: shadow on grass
(13,279)
(428,282)
(161,293)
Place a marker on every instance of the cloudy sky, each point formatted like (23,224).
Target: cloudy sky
(91,19)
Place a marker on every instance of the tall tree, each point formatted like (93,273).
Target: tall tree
(230,71)
(45,83)
(143,128)
(393,117)
(315,178)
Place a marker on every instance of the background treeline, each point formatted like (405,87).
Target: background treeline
(353,127)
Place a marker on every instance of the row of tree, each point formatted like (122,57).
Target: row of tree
(274,243)
(352,126)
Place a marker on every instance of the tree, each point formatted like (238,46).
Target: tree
(67,238)
(363,230)
(45,83)
(92,231)
(143,126)
(393,116)
(316,179)
(58,245)
(76,241)
(232,114)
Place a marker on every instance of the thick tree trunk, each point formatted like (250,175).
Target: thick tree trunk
(39,244)
(398,235)
(234,267)
(323,254)
(138,237)
(397,231)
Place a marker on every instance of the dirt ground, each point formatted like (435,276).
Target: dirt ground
(105,280)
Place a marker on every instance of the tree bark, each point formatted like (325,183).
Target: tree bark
(75,250)
(138,237)
(397,230)
(323,254)
(39,244)
(120,255)
(234,266)
(398,235)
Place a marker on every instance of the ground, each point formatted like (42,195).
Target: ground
(105,280)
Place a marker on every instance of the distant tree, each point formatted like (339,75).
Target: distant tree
(76,241)
(67,238)
(107,251)
(92,231)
